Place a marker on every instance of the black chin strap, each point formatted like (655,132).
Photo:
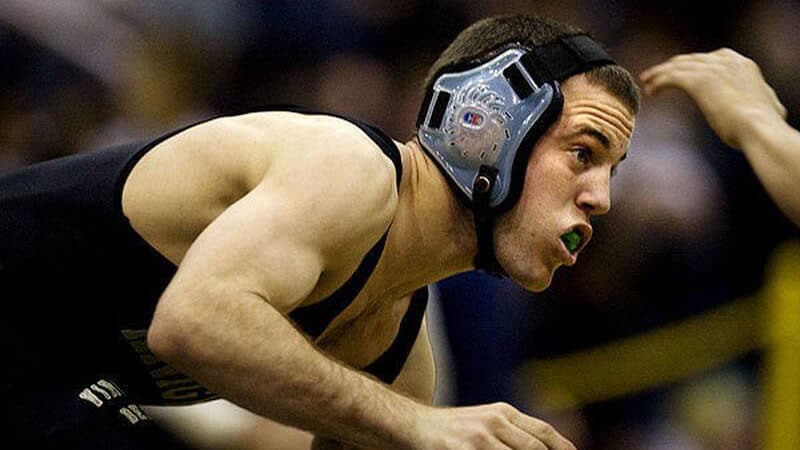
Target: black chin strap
(484,221)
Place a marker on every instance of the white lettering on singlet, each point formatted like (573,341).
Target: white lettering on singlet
(133,413)
(110,387)
(129,415)
(102,392)
(104,388)
(108,390)
(90,397)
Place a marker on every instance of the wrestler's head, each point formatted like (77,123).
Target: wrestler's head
(540,110)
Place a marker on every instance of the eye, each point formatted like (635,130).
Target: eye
(582,154)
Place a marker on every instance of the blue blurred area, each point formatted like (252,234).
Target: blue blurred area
(486,325)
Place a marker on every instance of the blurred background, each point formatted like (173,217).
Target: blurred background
(679,329)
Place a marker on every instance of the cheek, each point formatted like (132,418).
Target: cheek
(546,186)
(538,200)
(519,234)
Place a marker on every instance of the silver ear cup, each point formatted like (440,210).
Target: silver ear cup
(482,123)
(475,130)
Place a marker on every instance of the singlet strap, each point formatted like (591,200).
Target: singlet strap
(385,143)
(314,319)
(388,366)
(377,135)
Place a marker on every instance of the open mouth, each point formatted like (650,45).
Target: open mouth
(573,240)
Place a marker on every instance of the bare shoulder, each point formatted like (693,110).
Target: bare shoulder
(319,164)
(249,144)
(330,167)
(276,139)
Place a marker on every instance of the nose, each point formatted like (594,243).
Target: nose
(594,197)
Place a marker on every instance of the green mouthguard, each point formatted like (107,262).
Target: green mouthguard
(572,240)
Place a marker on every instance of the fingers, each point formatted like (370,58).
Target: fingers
(677,70)
(505,432)
(499,426)
(682,69)
(529,433)
(681,72)
(516,438)
(667,66)
(542,431)
(721,75)
(657,78)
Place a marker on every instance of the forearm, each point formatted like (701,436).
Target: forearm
(253,356)
(773,149)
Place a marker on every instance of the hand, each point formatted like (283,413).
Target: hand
(728,88)
(488,427)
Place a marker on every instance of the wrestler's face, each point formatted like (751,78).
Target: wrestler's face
(567,181)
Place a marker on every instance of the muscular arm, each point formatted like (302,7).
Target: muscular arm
(744,111)
(221,320)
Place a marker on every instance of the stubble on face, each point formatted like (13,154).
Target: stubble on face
(522,235)
(527,236)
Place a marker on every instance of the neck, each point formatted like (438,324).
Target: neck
(433,235)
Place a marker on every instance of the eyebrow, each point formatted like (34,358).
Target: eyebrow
(601,137)
(595,133)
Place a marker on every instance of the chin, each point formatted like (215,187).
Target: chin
(533,280)
(537,285)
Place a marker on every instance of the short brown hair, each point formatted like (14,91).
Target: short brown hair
(488,35)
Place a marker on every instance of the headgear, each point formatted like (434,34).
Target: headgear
(479,121)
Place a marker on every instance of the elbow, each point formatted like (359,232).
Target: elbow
(161,342)
(164,341)
(186,330)
(169,336)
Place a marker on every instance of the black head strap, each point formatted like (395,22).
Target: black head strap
(564,58)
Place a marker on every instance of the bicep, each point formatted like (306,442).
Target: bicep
(259,245)
(248,266)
